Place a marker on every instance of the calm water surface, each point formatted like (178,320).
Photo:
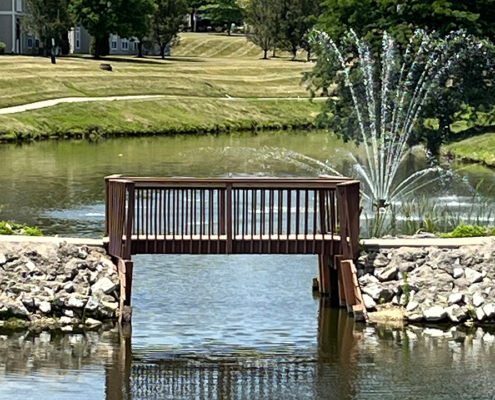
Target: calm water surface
(237,327)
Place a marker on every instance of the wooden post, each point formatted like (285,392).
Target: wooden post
(342,299)
(229,219)
(324,275)
(353,296)
(108,201)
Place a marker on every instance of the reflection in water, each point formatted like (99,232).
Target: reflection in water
(350,361)
(242,376)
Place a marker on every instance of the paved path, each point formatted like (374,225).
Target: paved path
(369,243)
(51,239)
(424,242)
(50,103)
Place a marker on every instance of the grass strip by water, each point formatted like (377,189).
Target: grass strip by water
(154,117)
(480,149)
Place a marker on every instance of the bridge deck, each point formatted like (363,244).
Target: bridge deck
(241,244)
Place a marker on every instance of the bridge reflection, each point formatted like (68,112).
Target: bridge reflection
(325,373)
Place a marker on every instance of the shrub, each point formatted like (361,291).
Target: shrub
(463,231)
(3,47)
(11,228)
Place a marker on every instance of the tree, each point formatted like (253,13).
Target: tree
(49,19)
(100,18)
(261,18)
(223,12)
(135,20)
(468,79)
(298,18)
(166,21)
(194,6)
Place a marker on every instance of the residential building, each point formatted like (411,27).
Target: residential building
(11,31)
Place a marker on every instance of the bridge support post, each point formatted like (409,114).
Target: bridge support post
(323,275)
(349,290)
(126,268)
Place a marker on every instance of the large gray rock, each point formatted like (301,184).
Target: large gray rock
(489,310)
(478,299)
(455,298)
(456,313)
(369,303)
(368,279)
(435,313)
(473,276)
(3,259)
(104,285)
(411,306)
(388,274)
(380,261)
(45,307)
(415,317)
(458,273)
(479,313)
(76,301)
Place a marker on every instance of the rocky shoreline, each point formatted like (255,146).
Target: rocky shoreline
(429,284)
(56,286)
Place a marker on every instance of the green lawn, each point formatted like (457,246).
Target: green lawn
(202,69)
(163,116)
(479,149)
(222,66)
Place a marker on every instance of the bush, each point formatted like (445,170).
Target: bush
(11,228)
(3,47)
(463,231)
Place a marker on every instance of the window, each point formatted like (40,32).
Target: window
(19,5)
(30,41)
(78,38)
(125,44)
(114,42)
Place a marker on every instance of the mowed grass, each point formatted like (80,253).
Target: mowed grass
(238,73)
(479,149)
(163,116)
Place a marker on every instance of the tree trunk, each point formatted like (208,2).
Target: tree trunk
(265,57)
(97,47)
(294,53)
(274,52)
(140,48)
(309,53)
(193,25)
(162,51)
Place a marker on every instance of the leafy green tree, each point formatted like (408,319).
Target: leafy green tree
(135,20)
(298,19)
(166,21)
(223,12)
(49,19)
(100,18)
(261,16)
(471,81)
(194,6)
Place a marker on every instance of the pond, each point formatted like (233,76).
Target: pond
(218,327)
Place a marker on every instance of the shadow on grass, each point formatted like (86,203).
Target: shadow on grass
(154,60)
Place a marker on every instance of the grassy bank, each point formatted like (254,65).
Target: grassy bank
(29,79)
(163,116)
(479,149)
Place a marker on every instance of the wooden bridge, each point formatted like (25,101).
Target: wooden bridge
(238,216)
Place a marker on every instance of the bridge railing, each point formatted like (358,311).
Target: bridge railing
(225,213)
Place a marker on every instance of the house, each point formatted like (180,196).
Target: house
(18,41)
(80,43)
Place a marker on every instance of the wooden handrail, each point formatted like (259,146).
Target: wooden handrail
(217,209)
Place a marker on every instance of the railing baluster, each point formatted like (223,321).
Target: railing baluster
(289,215)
